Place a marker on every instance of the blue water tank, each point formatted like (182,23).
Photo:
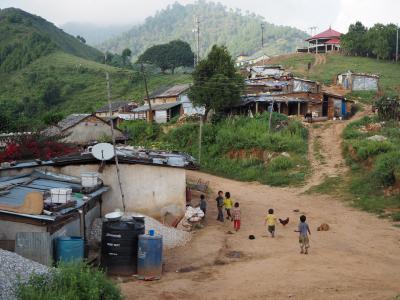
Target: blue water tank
(69,248)
(150,256)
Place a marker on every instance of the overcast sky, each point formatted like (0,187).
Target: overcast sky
(298,13)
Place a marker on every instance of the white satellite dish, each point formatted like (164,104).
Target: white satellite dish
(102,151)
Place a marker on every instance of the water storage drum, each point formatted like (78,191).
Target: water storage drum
(150,256)
(69,248)
(119,246)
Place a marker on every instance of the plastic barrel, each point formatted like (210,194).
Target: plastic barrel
(150,256)
(69,248)
(119,246)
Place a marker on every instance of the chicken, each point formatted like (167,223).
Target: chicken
(284,222)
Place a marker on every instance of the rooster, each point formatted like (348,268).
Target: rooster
(284,222)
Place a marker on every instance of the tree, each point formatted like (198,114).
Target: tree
(377,41)
(168,56)
(125,54)
(354,41)
(216,84)
(81,38)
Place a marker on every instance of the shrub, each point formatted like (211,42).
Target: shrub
(280,163)
(141,132)
(69,281)
(385,167)
(367,148)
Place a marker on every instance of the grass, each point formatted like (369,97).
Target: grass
(240,148)
(335,63)
(69,281)
(374,169)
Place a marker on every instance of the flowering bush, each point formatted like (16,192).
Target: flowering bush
(34,147)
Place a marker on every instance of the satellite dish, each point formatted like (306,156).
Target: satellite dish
(103,151)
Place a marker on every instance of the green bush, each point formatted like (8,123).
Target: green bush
(280,163)
(69,281)
(385,167)
(367,148)
(141,132)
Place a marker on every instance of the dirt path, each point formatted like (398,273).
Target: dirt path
(358,258)
(325,149)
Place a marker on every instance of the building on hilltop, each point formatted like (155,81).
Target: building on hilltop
(326,41)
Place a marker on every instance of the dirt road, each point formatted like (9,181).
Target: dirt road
(359,258)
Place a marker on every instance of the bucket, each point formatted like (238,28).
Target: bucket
(89,179)
(69,248)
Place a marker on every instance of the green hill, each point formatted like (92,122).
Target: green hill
(44,70)
(218,25)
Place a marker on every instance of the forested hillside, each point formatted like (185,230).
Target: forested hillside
(25,37)
(46,71)
(218,25)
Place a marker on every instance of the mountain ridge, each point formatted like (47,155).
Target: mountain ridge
(218,25)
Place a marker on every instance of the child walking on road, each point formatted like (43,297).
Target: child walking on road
(270,220)
(220,206)
(228,203)
(304,231)
(236,216)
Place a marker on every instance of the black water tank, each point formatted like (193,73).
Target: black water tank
(119,246)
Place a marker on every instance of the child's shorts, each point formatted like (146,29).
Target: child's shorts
(303,240)
(271,228)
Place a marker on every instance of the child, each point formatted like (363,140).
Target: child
(228,203)
(203,204)
(220,206)
(304,230)
(270,220)
(236,216)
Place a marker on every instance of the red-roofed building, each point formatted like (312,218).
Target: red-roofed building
(328,40)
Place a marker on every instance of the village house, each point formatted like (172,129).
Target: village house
(245,60)
(84,129)
(117,108)
(27,210)
(326,41)
(167,104)
(358,81)
(154,182)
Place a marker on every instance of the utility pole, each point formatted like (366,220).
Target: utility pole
(113,139)
(150,120)
(196,30)
(200,137)
(397,42)
(262,35)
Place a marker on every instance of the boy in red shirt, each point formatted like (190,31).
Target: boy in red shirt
(236,216)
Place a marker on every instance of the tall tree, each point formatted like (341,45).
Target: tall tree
(377,41)
(216,84)
(125,54)
(354,41)
(168,56)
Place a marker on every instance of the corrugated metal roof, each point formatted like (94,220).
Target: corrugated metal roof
(173,91)
(114,106)
(71,120)
(20,186)
(156,107)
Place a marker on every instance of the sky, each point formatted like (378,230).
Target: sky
(303,14)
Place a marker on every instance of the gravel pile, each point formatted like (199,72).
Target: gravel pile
(13,268)
(172,237)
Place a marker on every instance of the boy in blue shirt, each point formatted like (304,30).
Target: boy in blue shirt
(303,231)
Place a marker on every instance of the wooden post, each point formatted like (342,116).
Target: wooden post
(298,108)
(316,47)
(256,107)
